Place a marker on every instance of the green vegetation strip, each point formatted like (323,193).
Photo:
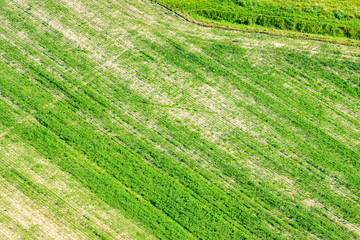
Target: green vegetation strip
(320,17)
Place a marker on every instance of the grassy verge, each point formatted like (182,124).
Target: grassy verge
(317,21)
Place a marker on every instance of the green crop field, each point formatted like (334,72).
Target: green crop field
(322,17)
(120,120)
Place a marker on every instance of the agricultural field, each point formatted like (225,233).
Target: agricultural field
(120,120)
(330,18)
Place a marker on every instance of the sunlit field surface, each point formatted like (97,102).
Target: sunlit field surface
(120,120)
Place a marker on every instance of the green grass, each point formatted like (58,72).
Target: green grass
(352,7)
(316,17)
(39,201)
(191,132)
